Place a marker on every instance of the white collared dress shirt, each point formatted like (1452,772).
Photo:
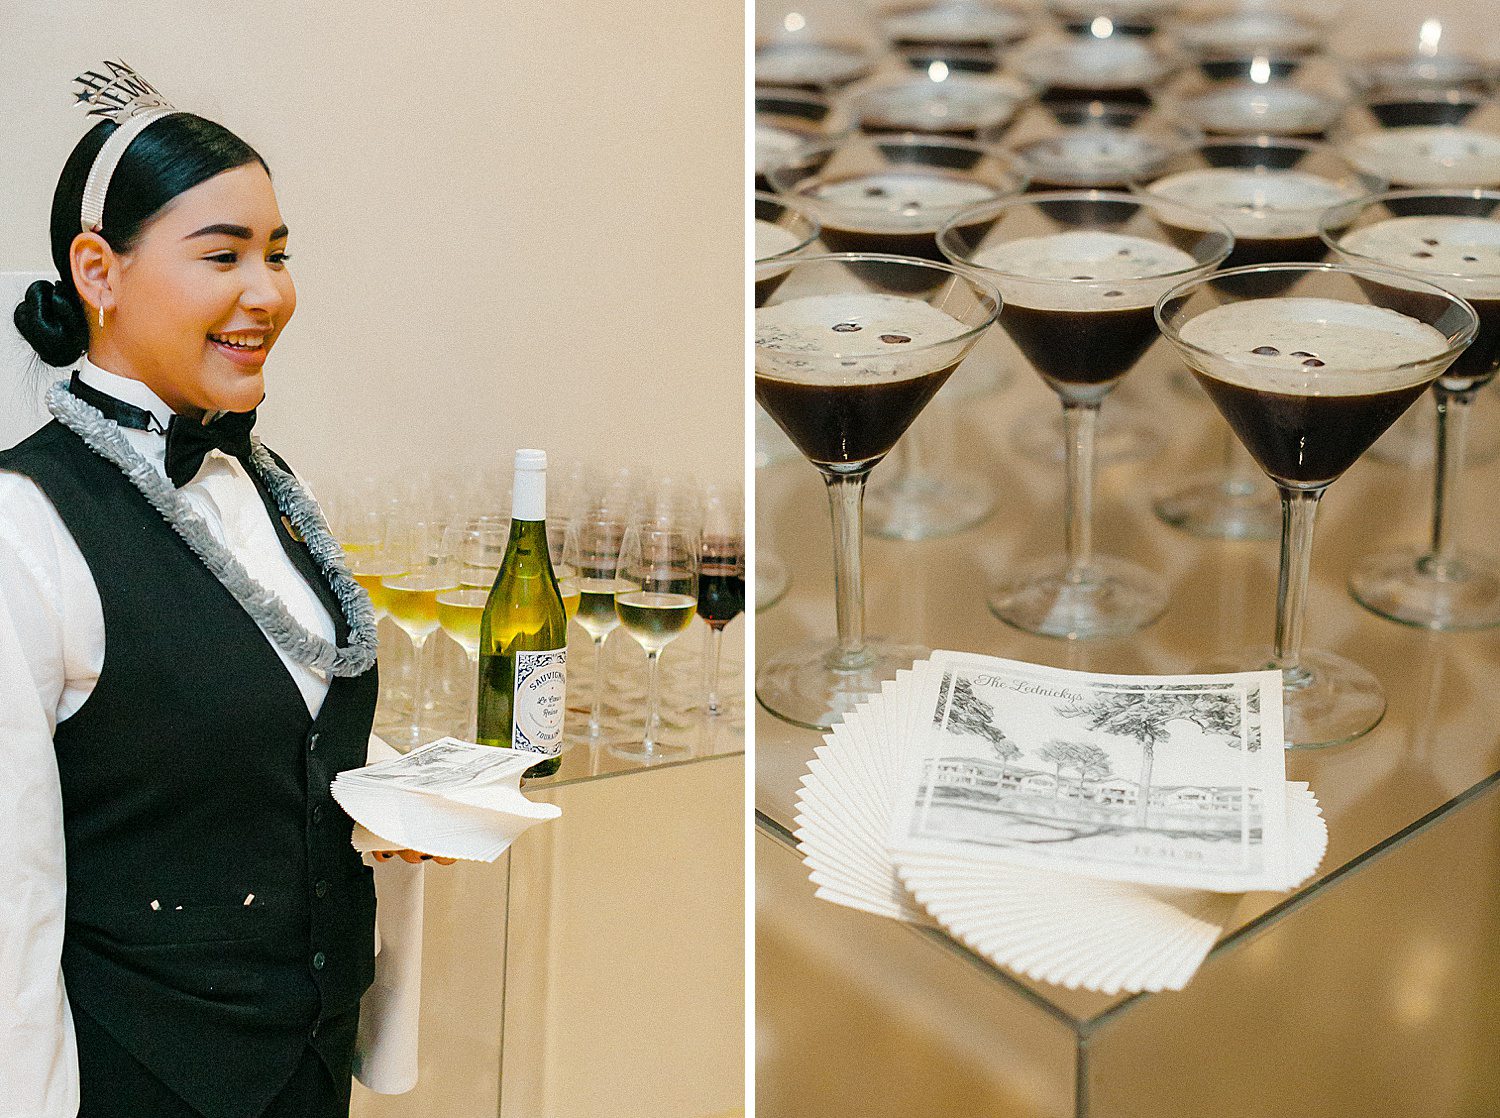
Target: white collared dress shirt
(51,652)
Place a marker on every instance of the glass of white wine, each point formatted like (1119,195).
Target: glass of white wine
(459,611)
(411,598)
(592,550)
(655,602)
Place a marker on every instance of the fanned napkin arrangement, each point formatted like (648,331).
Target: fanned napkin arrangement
(451,798)
(1082,829)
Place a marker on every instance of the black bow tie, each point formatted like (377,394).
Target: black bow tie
(188,440)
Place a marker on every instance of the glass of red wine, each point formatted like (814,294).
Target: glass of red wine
(843,364)
(721,582)
(1080,272)
(1309,364)
(1450,238)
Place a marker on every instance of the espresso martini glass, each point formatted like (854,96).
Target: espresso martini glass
(1272,193)
(1103,18)
(1450,238)
(1253,101)
(1093,145)
(817,46)
(889,194)
(1080,272)
(942,25)
(787,122)
(1249,28)
(1111,68)
(1419,138)
(1309,363)
(844,365)
(942,104)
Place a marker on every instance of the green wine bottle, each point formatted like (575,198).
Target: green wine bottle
(523,643)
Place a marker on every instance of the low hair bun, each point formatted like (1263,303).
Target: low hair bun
(51,320)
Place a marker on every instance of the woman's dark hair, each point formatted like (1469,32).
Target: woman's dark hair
(171,156)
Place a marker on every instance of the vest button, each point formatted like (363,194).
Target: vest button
(312,741)
(319,960)
(317,813)
(321,889)
(317,1027)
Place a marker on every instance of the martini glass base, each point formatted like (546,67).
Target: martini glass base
(1405,586)
(921,508)
(804,685)
(1222,506)
(1334,702)
(636,751)
(1113,598)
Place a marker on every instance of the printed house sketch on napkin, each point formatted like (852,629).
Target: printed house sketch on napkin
(1159,779)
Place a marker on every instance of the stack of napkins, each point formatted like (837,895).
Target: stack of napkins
(1082,829)
(450,798)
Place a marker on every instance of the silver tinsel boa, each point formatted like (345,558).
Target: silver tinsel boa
(102,436)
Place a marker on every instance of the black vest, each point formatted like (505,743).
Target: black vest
(216,910)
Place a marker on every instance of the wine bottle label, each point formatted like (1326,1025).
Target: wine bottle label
(540,701)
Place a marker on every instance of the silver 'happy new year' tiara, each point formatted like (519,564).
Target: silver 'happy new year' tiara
(114,92)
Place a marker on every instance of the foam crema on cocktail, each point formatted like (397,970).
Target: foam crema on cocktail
(1308,375)
(781,232)
(1249,29)
(1426,139)
(1095,145)
(1452,239)
(844,367)
(1128,18)
(1116,68)
(959,107)
(1080,273)
(955,24)
(889,194)
(1270,109)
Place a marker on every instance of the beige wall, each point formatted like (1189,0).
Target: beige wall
(512,222)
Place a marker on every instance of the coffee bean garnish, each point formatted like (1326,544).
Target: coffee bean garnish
(1471,259)
(1428,241)
(1303,353)
(894,339)
(1313,363)
(1123,252)
(1423,255)
(847,327)
(1113,294)
(874,192)
(1266,351)
(1083,277)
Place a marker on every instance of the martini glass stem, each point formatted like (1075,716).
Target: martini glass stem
(1453,411)
(596,712)
(846,496)
(1080,420)
(653,698)
(711,668)
(1299,509)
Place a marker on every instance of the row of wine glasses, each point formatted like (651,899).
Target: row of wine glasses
(626,555)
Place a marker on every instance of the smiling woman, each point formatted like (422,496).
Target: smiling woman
(185,665)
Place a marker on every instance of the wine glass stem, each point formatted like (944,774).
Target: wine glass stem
(846,495)
(1299,508)
(711,667)
(653,689)
(1453,411)
(1080,421)
(417,681)
(596,712)
(473,716)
